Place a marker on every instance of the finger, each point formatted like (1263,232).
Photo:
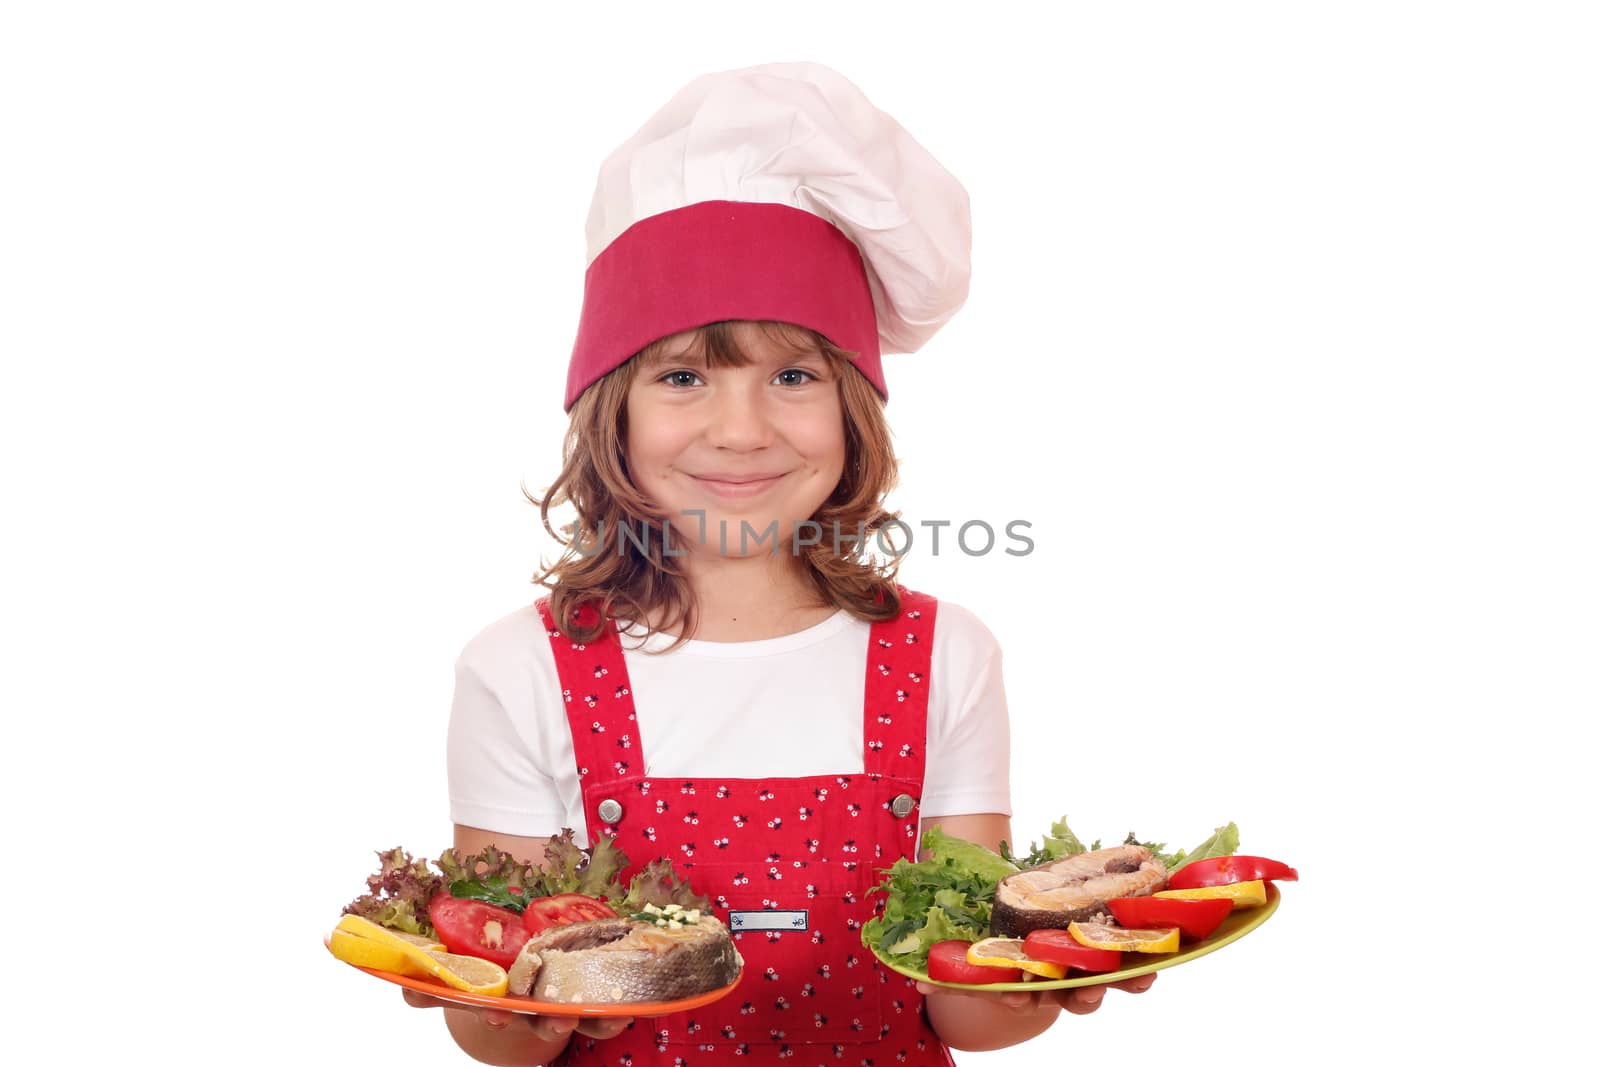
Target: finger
(494,1018)
(1016,1000)
(603,1028)
(1135,985)
(553,1027)
(421,1000)
(1084,1000)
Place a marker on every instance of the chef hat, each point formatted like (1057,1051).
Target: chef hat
(772,192)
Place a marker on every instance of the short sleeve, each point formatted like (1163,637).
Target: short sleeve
(496,781)
(969,730)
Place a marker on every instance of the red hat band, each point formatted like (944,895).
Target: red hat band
(716,260)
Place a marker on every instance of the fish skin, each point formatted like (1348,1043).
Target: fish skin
(1075,889)
(606,961)
(573,937)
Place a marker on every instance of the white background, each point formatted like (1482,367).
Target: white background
(1282,335)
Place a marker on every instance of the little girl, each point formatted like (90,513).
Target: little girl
(723,673)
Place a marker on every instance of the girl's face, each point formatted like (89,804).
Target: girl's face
(763,444)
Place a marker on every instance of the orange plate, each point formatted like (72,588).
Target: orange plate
(523,1006)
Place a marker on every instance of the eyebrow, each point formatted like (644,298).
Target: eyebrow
(696,356)
(660,357)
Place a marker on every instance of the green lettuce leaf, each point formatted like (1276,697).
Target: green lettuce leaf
(1224,842)
(938,927)
(947,895)
(1059,843)
(965,854)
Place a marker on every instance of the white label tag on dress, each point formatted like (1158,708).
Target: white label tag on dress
(768,920)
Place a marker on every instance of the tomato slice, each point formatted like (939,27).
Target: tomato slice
(1226,870)
(543,913)
(476,928)
(1193,918)
(947,962)
(1058,946)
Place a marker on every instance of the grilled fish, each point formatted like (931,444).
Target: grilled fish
(1074,889)
(606,961)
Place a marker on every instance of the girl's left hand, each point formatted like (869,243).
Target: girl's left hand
(1079,1000)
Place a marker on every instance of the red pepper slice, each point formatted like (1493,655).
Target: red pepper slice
(1058,946)
(947,962)
(1226,870)
(1193,918)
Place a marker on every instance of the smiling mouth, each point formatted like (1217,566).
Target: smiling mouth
(736,481)
(748,487)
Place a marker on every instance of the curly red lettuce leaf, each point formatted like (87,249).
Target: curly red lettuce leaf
(492,875)
(397,896)
(601,876)
(657,884)
(563,859)
(399,893)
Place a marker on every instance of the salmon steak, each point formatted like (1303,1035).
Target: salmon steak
(611,961)
(1075,889)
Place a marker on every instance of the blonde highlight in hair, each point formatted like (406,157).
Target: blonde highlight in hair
(625,580)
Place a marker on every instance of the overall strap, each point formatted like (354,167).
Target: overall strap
(600,715)
(899,653)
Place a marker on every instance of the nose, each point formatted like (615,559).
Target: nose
(738,419)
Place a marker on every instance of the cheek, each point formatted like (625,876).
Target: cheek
(650,451)
(827,457)
(821,442)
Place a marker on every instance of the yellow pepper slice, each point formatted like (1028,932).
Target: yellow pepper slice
(1243,894)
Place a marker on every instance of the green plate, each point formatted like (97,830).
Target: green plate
(1234,927)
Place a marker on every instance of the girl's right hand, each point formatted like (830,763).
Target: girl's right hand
(545,1027)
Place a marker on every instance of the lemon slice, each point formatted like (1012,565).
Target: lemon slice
(1104,935)
(1007,952)
(1243,894)
(469,974)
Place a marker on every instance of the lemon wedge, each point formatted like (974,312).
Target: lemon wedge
(1007,952)
(1104,935)
(376,955)
(366,944)
(355,924)
(1243,894)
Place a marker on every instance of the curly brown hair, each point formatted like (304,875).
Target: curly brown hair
(638,582)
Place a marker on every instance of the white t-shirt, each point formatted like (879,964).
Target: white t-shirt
(786,707)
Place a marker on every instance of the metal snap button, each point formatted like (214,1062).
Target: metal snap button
(610,812)
(902,805)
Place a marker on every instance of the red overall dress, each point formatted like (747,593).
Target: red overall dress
(788,863)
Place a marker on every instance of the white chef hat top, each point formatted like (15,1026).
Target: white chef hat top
(730,202)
